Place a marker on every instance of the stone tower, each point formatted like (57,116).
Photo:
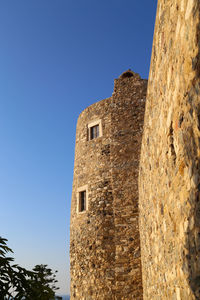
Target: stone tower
(169,185)
(105,245)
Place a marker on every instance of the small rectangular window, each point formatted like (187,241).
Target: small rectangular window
(94,132)
(82,201)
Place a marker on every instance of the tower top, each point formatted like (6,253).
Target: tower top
(127,82)
(129,73)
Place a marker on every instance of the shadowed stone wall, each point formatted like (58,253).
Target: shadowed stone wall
(169,183)
(105,246)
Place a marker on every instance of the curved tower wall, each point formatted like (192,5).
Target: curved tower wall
(105,245)
(92,248)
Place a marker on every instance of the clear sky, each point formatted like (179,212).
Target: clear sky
(56,58)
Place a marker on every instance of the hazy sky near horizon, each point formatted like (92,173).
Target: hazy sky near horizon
(56,58)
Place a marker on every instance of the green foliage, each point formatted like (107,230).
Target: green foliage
(42,286)
(38,284)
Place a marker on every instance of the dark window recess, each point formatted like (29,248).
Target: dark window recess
(94,132)
(127,74)
(82,201)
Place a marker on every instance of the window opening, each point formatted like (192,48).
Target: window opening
(82,201)
(127,74)
(94,132)
(94,129)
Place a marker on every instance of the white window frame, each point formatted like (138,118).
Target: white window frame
(83,188)
(92,124)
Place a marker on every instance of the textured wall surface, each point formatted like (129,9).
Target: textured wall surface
(105,246)
(169,183)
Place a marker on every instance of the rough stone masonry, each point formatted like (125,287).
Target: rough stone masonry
(104,245)
(169,184)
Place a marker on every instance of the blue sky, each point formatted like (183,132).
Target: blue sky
(56,58)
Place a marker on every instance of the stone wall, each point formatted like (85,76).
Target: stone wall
(169,183)
(105,246)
